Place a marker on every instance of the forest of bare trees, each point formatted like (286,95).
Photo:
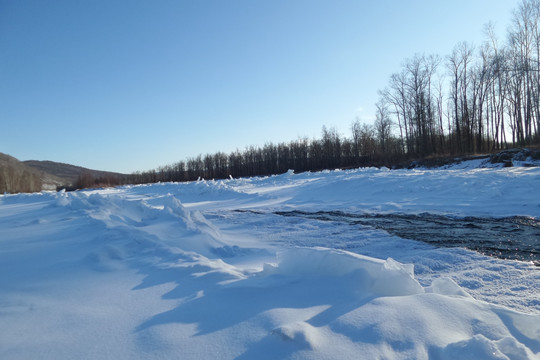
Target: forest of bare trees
(477,99)
(329,152)
(15,177)
(13,180)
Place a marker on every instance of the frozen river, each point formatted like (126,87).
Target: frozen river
(515,237)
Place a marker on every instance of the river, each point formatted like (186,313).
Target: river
(515,237)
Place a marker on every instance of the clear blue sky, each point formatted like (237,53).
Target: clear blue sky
(133,85)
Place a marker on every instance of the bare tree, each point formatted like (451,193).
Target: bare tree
(383,125)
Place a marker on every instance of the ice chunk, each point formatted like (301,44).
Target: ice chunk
(446,286)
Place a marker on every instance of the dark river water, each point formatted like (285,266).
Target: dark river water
(515,237)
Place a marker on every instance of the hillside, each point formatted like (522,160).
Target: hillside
(33,175)
(16,177)
(68,173)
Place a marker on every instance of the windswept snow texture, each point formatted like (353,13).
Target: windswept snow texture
(208,270)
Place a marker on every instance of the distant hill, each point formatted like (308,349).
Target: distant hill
(33,175)
(16,177)
(68,173)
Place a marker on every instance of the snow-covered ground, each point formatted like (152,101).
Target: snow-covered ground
(208,270)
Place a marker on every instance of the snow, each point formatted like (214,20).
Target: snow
(207,269)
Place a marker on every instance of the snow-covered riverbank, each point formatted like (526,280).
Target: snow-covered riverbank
(208,270)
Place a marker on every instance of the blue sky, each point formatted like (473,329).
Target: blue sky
(133,85)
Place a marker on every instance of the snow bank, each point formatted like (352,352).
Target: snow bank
(376,308)
(374,277)
(164,271)
(436,326)
(470,191)
(169,221)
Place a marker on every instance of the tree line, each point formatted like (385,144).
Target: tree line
(331,151)
(15,177)
(476,99)
(15,180)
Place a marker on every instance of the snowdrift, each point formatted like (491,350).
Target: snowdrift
(176,271)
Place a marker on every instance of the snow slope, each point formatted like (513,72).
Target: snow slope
(208,270)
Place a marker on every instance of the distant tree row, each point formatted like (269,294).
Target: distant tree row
(86,180)
(16,180)
(365,147)
(473,100)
